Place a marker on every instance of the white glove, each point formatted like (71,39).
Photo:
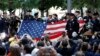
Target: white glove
(74,34)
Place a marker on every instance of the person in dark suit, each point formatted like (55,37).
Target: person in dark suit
(2,24)
(14,22)
(64,50)
(88,16)
(66,17)
(5,23)
(92,24)
(95,23)
(72,25)
(36,17)
(28,15)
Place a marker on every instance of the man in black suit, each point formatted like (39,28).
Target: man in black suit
(72,25)
(28,15)
(95,23)
(36,17)
(4,22)
(88,16)
(92,25)
(14,22)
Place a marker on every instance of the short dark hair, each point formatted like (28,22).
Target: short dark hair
(88,11)
(77,12)
(84,46)
(29,11)
(67,13)
(28,48)
(40,44)
(24,41)
(96,14)
(36,14)
(55,15)
(71,14)
(2,50)
(64,43)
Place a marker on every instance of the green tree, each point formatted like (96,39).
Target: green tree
(3,5)
(92,5)
(45,5)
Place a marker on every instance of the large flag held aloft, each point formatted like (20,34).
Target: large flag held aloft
(33,28)
(36,29)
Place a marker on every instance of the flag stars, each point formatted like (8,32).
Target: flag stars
(33,28)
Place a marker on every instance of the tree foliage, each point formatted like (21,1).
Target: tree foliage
(86,3)
(3,4)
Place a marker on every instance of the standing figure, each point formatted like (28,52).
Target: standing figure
(28,15)
(55,17)
(91,26)
(78,15)
(72,25)
(14,22)
(88,16)
(5,23)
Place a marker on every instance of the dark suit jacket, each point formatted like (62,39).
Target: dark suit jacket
(95,25)
(28,17)
(87,18)
(72,26)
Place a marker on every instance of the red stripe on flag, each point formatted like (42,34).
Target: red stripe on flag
(56,35)
(55,28)
(51,34)
(58,22)
(81,21)
(59,25)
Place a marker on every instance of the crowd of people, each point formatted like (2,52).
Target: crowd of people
(74,42)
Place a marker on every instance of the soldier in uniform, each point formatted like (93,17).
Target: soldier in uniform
(72,25)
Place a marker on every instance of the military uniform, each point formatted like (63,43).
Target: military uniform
(72,26)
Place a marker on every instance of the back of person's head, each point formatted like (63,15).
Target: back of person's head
(67,14)
(2,51)
(28,12)
(64,43)
(40,44)
(84,46)
(15,51)
(95,47)
(24,41)
(79,53)
(46,52)
(28,49)
(71,14)
(36,14)
(96,14)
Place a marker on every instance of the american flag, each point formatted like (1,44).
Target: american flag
(38,28)
(33,28)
